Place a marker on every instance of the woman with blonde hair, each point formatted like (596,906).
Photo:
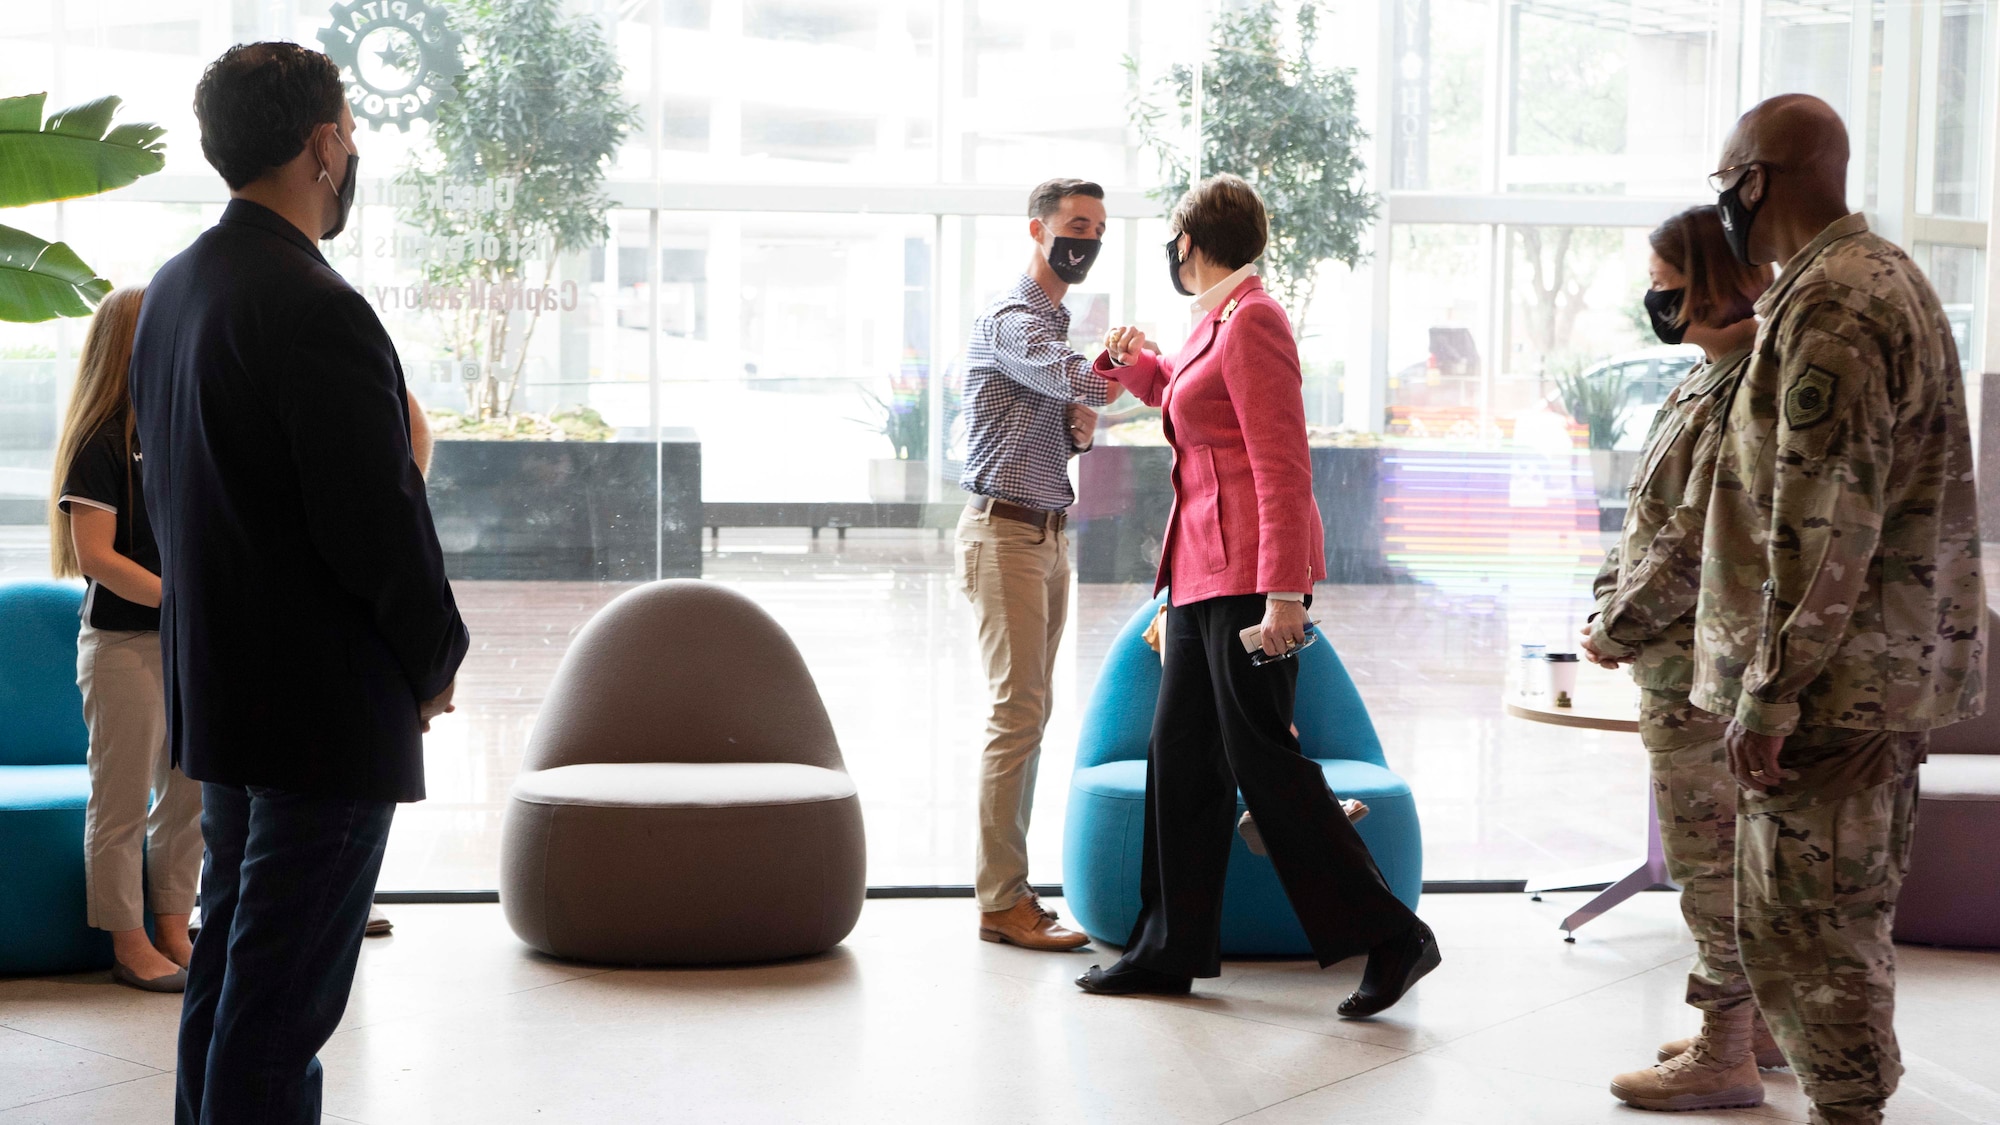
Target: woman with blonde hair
(134,855)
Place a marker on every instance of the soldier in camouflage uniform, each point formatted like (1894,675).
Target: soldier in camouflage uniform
(1841,600)
(1645,618)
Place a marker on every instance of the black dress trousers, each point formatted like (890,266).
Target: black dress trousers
(1224,724)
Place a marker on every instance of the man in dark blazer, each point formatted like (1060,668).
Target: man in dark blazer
(309,633)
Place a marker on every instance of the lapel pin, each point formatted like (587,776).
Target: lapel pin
(1228,311)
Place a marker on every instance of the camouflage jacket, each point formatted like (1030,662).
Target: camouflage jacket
(1646,591)
(1841,584)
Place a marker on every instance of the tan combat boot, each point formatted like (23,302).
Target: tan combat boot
(1718,1072)
(1769,1057)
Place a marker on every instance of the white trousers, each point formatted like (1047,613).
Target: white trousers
(142,828)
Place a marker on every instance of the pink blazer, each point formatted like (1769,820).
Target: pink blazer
(1244,520)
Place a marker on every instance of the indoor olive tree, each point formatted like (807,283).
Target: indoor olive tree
(1271,113)
(516,178)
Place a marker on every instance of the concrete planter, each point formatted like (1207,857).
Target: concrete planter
(569,510)
(894,481)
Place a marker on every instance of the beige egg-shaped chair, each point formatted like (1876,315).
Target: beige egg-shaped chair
(683,798)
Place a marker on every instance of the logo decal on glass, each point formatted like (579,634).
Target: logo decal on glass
(396,58)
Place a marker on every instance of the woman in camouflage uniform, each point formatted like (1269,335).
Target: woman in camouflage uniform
(1646,593)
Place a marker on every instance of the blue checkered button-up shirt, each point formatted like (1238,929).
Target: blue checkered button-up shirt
(1020,377)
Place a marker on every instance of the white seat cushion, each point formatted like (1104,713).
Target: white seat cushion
(683,785)
(1960,777)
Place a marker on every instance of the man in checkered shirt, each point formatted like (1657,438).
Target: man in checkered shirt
(1028,400)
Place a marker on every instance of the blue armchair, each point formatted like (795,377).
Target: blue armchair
(1102,835)
(44,785)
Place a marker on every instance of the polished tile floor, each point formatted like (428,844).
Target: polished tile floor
(913,1020)
(890,641)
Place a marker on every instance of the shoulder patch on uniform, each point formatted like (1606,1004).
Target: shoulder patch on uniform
(1809,400)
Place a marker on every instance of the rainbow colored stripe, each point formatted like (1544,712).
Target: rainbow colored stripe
(1473,520)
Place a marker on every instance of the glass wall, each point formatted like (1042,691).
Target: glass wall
(739,363)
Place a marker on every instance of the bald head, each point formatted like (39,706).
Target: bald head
(1798,134)
(1801,145)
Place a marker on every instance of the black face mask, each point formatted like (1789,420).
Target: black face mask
(1664,307)
(1071,258)
(1174,262)
(345,194)
(1736,218)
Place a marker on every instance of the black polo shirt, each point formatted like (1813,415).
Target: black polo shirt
(105,476)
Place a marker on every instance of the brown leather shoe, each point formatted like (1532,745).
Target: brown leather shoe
(1029,925)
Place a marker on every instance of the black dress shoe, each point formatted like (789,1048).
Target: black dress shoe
(1393,968)
(1131,980)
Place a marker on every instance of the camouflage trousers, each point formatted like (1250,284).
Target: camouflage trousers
(1696,799)
(1819,863)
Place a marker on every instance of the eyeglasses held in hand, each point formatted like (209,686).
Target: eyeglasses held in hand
(1260,658)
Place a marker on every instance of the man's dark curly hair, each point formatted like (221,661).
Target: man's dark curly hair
(259,103)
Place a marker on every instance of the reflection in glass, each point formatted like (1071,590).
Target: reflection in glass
(1957,273)
(1806,49)
(1612,97)
(1959,143)
(1443,44)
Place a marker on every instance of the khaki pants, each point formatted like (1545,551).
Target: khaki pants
(129,848)
(1017,577)
(1696,798)
(1819,864)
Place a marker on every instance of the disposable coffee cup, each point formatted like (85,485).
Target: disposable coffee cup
(1562,677)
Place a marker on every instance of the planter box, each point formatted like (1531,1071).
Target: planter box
(1611,471)
(893,481)
(1126,493)
(577,511)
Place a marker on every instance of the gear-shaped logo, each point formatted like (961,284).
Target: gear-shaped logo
(396,58)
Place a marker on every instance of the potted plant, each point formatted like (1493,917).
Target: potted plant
(1597,404)
(513,184)
(904,417)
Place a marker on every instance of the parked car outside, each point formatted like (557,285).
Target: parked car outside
(1649,375)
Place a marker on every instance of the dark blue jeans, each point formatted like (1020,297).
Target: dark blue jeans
(285,888)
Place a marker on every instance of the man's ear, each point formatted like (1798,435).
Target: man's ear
(317,143)
(1037,229)
(1763,187)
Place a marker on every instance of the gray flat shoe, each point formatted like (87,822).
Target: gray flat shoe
(176,981)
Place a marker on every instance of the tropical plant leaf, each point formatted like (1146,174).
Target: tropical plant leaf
(88,120)
(22,113)
(44,280)
(73,154)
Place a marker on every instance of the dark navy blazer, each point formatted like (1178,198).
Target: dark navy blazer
(305,610)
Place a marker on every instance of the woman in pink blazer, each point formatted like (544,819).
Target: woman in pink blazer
(1242,551)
